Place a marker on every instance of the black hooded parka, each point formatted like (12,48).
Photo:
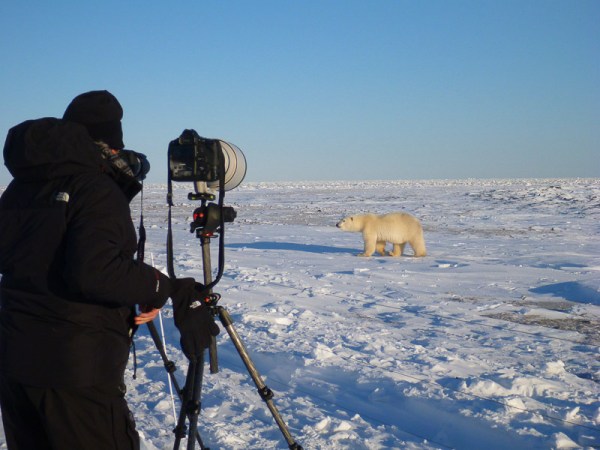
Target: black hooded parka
(67,243)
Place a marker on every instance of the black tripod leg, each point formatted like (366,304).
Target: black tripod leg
(180,430)
(171,368)
(212,355)
(195,405)
(265,393)
(169,365)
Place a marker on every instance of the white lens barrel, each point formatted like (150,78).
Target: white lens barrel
(235,167)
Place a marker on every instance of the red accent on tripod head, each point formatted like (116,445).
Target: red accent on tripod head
(212,299)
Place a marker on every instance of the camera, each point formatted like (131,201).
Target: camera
(137,162)
(203,160)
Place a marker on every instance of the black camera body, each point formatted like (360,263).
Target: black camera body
(194,158)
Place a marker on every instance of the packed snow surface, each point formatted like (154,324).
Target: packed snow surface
(491,341)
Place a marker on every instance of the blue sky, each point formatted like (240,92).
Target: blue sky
(325,89)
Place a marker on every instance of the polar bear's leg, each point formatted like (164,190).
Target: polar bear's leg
(398,249)
(381,247)
(370,244)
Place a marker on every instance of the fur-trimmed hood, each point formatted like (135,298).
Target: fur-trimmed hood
(48,148)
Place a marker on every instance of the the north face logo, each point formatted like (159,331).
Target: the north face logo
(62,197)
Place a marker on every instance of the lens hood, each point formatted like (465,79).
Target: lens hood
(235,167)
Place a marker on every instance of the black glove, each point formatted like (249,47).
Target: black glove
(192,317)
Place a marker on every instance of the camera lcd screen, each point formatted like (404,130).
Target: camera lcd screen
(182,162)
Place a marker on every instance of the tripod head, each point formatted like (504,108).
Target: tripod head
(207,219)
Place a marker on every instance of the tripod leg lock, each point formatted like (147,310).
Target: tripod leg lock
(193,407)
(266,393)
(180,431)
(170,367)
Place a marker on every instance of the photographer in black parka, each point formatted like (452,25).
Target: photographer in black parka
(70,284)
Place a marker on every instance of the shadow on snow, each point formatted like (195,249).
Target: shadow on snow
(573,291)
(310,248)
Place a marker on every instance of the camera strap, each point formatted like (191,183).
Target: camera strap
(170,269)
(141,246)
(142,230)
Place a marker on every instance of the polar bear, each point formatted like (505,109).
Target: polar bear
(397,228)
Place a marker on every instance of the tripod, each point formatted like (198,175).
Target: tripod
(191,393)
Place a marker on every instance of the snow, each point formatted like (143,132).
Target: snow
(491,341)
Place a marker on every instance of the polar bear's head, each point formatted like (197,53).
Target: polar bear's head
(351,223)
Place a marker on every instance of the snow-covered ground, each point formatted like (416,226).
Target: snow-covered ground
(491,341)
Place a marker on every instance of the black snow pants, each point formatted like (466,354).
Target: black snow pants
(90,418)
